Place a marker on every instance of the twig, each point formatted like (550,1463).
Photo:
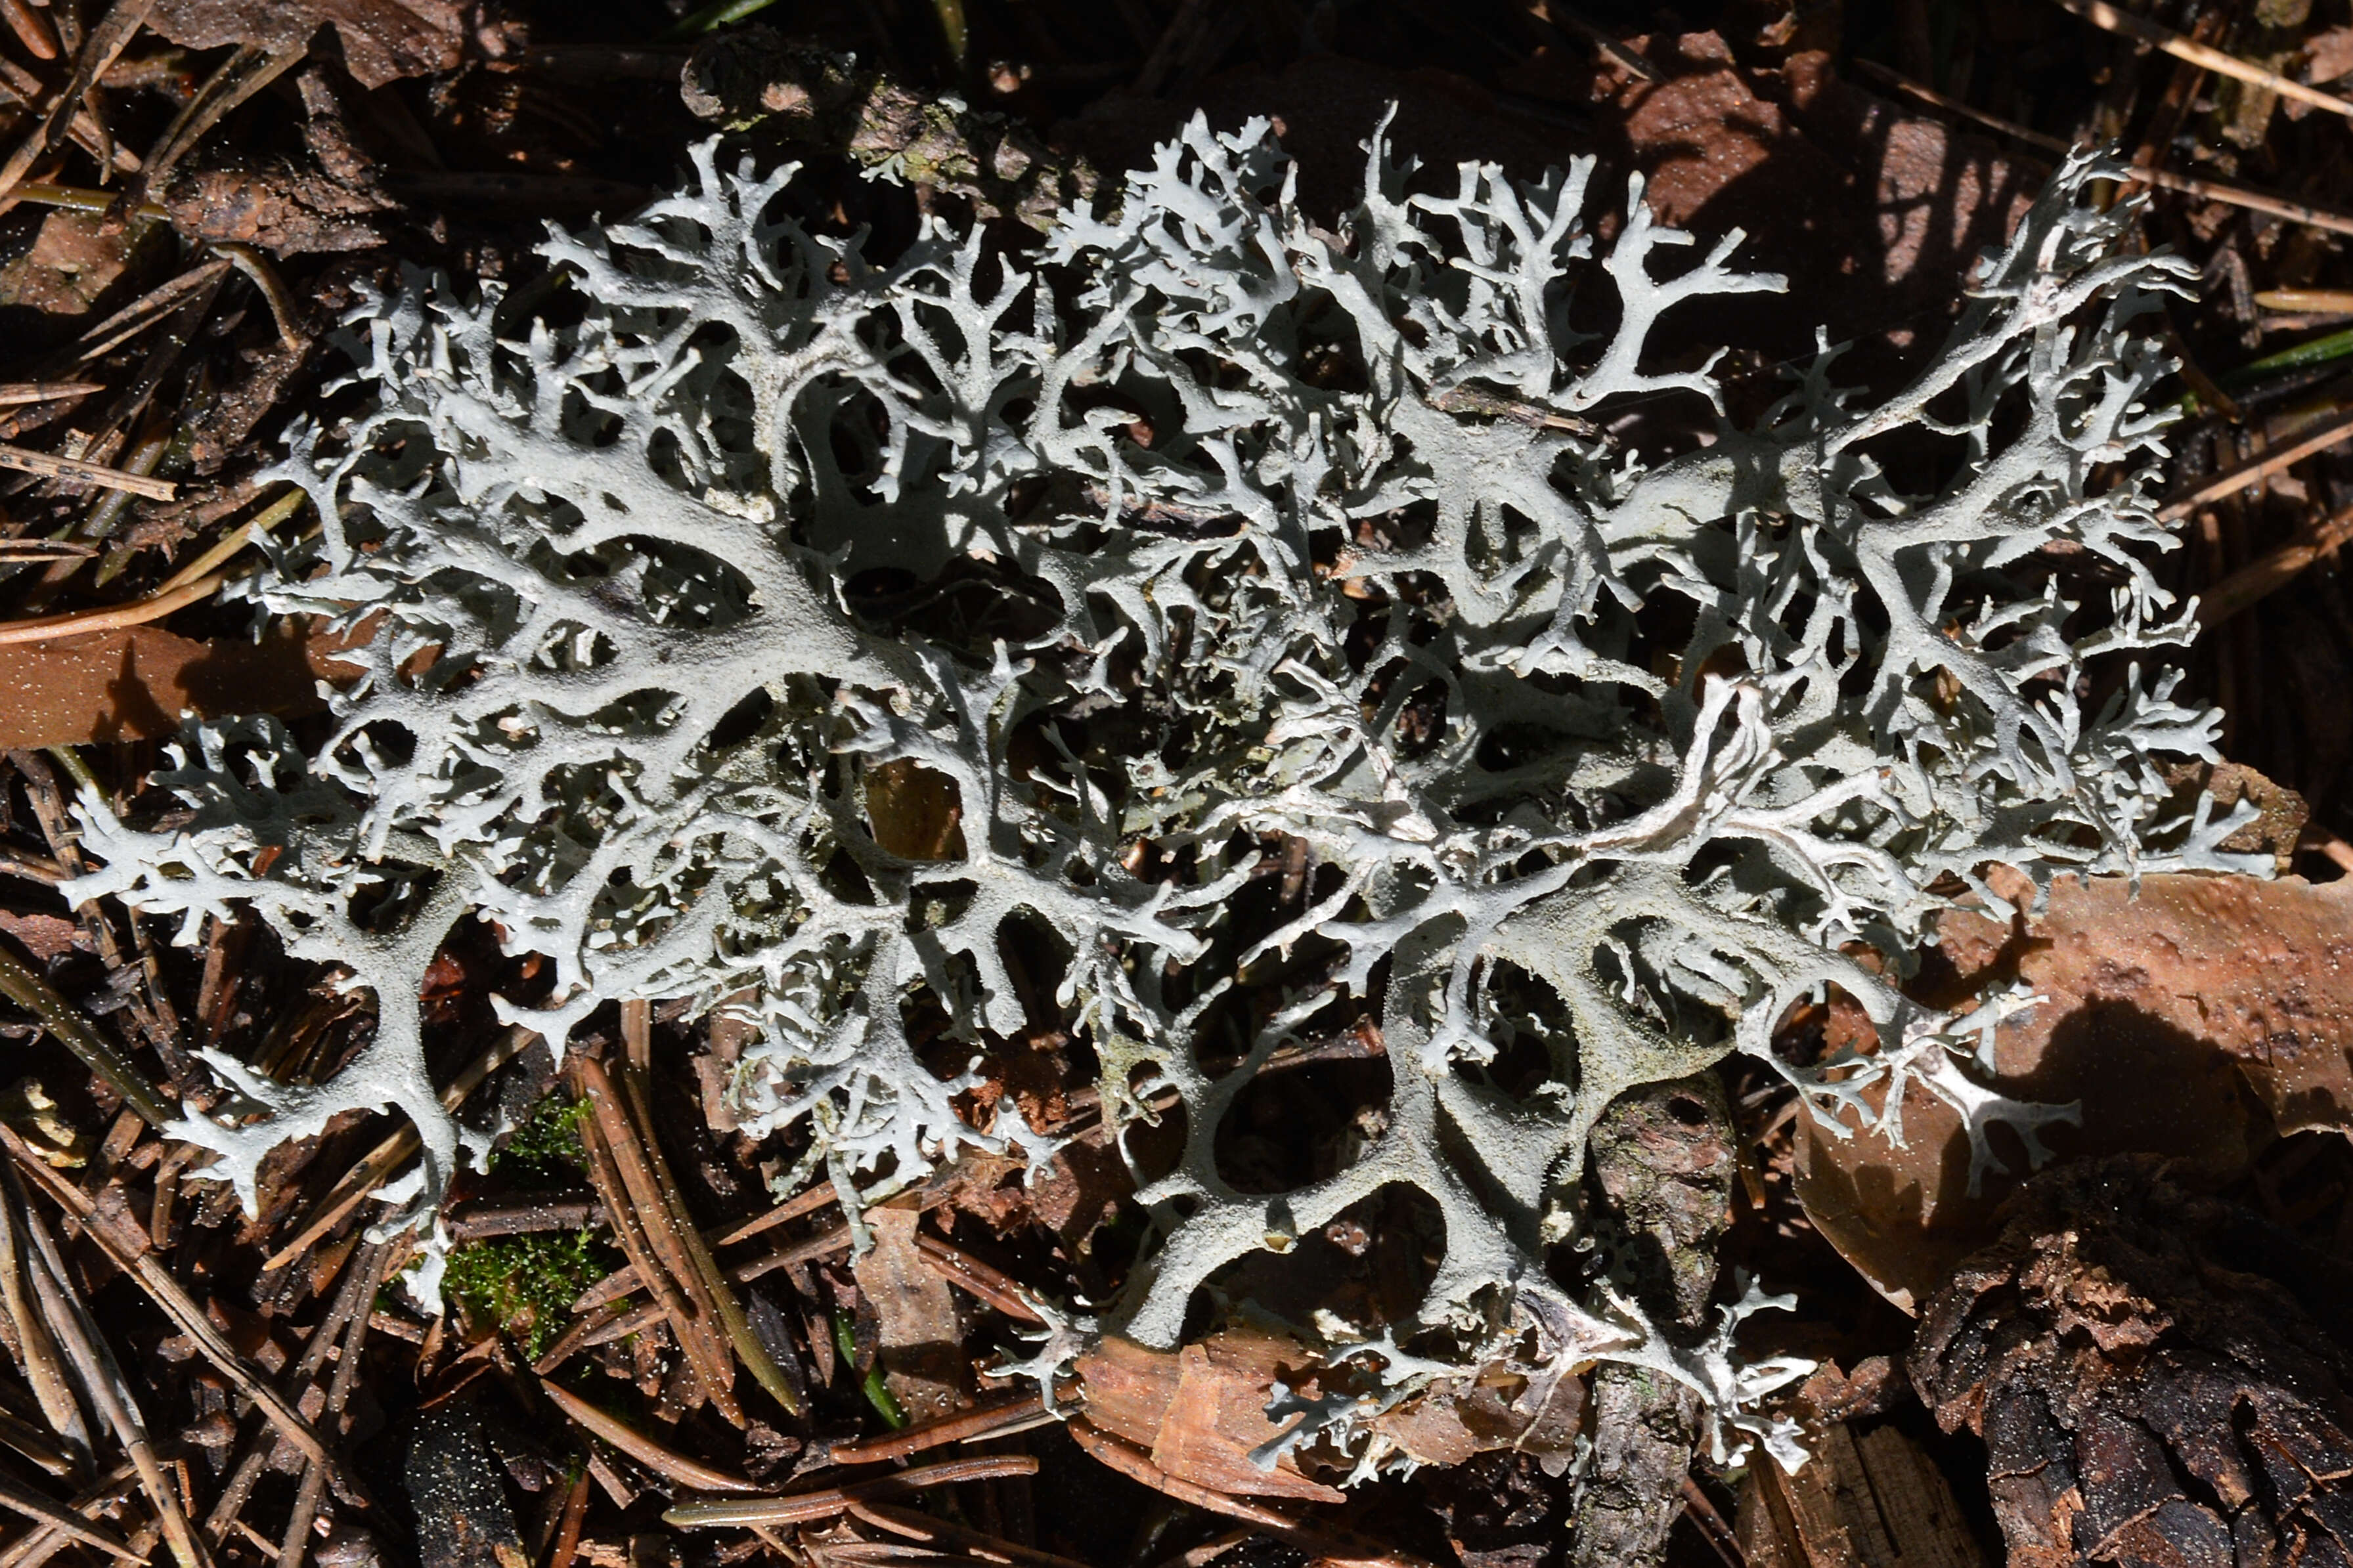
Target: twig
(991,1546)
(2326,845)
(2257,468)
(705,1275)
(102,1379)
(795,1507)
(57,1517)
(168,1293)
(662,1461)
(2124,25)
(139,612)
(74,469)
(969,1274)
(1137,1466)
(642,1224)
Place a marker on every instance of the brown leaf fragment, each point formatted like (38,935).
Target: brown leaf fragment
(921,1338)
(384,40)
(2177,1019)
(1219,1416)
(134,682)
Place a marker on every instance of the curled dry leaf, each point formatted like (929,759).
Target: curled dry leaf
(2181,1020)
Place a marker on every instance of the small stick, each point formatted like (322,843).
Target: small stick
(2123,23)
(1137,1466)
(794,1508)
(51,468)
(662,1461)
(138,612)
(2328,845)
(965,1535)
(2257,468)
(168,1293)
(32,1505)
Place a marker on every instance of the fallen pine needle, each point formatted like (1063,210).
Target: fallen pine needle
(796,1506)
(662,1461)
(2257,468)
(74,469)
(2103,16)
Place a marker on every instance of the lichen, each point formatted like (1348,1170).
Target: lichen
(1287,535)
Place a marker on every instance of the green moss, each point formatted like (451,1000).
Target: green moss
(523,1284)
(546,1149)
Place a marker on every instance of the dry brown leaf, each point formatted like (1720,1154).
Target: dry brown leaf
(133,683)
(382,39)
(917,812)
(2181,1020)
(921,1338)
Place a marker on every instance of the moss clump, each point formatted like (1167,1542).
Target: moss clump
(523,1284)
(545,1149)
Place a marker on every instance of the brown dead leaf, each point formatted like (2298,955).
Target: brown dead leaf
(916,813)
(71,263)
(921,1338)
(384,40)
(134,682)
(2178,1019)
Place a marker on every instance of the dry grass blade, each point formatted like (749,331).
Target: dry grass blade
(36,1445)
(662,1461)
(376,1166)
(59,1518)
(78,471)
(991,1547)
(23,985)
(2126,25)
(42,1361)
(796,1507)
(618,1169)
(712,1283)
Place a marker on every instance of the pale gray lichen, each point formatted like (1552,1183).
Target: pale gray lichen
(1321,537)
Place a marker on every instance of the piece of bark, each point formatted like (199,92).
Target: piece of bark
(2154,1374)
(1663,1160)
(1865,1500)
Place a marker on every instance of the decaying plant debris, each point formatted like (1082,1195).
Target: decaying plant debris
(1044,831)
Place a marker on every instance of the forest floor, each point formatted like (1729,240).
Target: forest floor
(192,191)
